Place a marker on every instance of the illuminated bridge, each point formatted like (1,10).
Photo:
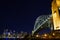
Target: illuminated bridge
(49,21)
(42,22)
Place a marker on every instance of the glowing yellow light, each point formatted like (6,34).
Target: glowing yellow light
(45,35)
(53,34)
(37,35)
(58,2)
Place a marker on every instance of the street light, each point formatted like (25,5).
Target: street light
(37,35)
(53,34)
(45,35)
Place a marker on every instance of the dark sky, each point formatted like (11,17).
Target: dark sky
(20,15)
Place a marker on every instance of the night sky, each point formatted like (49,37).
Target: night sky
(20,15)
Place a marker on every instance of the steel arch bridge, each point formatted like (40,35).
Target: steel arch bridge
(44,20)
(41,22)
